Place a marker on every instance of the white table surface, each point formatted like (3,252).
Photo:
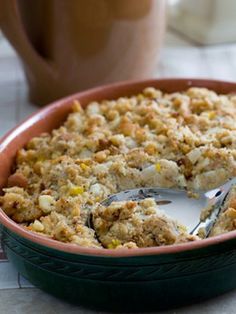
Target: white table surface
(179,58)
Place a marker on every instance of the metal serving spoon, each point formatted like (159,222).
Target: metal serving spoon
(180,206)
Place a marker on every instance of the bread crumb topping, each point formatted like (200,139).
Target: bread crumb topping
(153,139)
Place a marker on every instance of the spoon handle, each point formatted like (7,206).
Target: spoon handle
(216,200)
(207,225)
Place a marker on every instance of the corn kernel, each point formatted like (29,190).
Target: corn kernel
(114,243)
(76,190)
(211,115)
(75,211)
(158,167)
(84,167)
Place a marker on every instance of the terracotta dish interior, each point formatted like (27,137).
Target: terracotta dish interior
(53,115)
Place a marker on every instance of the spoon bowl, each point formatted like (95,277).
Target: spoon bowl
(180,205)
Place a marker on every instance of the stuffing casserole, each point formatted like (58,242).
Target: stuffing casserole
(153,139)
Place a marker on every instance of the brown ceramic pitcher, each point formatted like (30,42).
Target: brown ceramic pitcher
(71,45)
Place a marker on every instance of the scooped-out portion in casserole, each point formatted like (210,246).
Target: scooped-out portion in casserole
(153,139)
(137,224)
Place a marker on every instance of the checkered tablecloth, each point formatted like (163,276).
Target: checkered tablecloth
(179,58)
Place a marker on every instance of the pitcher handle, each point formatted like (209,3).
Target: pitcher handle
(13,28)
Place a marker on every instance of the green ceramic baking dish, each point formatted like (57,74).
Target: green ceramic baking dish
(118,280)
